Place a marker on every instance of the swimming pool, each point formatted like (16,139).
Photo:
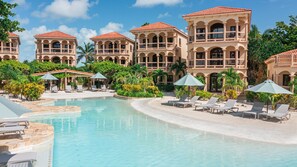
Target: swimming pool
(109,132)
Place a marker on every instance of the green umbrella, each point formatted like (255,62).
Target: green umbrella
(98,76)
(188,80)
(269,86)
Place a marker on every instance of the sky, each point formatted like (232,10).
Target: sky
(87,18)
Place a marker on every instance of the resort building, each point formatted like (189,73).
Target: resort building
(218,40)
(56,47)
(114,47)
(159,45)
(282,67)
(9,50)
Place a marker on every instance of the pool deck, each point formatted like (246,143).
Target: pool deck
(75,95)
(228,124)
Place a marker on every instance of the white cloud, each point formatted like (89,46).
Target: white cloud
(19,2)
(27,38)
(111,27)
(163,15)
(22,21)
(150,3)
(71,9)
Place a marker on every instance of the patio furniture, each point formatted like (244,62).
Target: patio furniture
(54,89)
(80,88)
(256,110)
(211,103)
(12,130)
(14,122)
(227,107)
(281,113)
(103,88)
(190,103)
(94,88)
(68,89)
(18,160)
(181,99)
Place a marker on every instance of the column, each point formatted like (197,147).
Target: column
(225,30)
(206,58)
(246,59)
(145,41)
(50,46)
(236,58)
(42,46)
(292,60)
(138,58)
(68,47)
(237,30)
(103,47)
(146,60)
(10,47)
(68,60)
(61,47)
(195,53)
(224,58)
(166,40)
(2,47)
(195,32)
(246,31)
(120,47)
(113,43)
(206,31)
(158,56)
(158,39)
(206,83)
(166,61)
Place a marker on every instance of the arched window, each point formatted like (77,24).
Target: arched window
(56,60)
(56,45)
(110,45)
(155,39)
(218,27)
(216,53)
(155,58)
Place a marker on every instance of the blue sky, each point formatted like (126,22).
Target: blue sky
(87,18)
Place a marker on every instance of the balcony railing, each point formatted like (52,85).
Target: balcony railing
(162,45)
(217,63)
(156,65)
(218,36)
(286,60)
(112,51)
(8,50)
(55,51)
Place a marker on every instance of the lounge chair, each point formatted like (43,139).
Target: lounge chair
(256,110)
(181,99)
(18,160)
(94,88)
(79,88)
(281,113)
(211,103)
(230,105)
(14,122)
(103,88)
(190,103)
(54,89)
(68,89)
(12,130)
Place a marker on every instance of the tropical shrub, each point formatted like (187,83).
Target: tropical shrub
(293,101)
(33,91)
(251,96)
(204,95)
(231,94)
(166,87)
(13,87)
(130,90)
(180,91)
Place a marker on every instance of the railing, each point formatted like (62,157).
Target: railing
(8,50)
(111,51)
(218,36)
(55,51)
(217,63)
(154,65)
(162,45)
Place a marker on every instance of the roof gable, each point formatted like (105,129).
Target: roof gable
(55,34)
(217,10)
(153,26)
(111,35)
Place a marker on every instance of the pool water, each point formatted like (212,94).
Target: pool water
(110,133)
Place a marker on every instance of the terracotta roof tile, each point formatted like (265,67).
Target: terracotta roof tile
(55,34)
(217,10)
(287,53)
(10,34)
(153,26)
(111,35)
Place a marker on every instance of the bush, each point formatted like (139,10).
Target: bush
(13,88)
(33,91)
(180,91)
(138,91)
(251,96)
(231,94)
(204,95)
(166,88)
(293,101)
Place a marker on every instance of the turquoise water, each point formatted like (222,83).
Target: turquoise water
(110,133)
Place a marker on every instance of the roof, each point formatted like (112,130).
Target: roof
(11,34)
(55,34)
(287,53)
(111,35)
(153,26)
(217,10)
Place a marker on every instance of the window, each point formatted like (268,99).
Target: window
(143,59)
(123,46)
(200,30)
(123,61)
(286,79)
(170,58)
(200,55)
(232,54)
(143,41)
(130,48)
(170,40)
(45,45)
(170,78)
(218,27)
(56,45)
(233,28)
(179,40)
(216,53)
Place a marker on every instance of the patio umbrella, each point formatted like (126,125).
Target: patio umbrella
(49,77)
(188,80)
(269,86)
(98,76)
(10,109)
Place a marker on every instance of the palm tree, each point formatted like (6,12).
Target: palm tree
(179,67)
(139,70)
(158,73)
(86,51)
(232,79)
(145,24)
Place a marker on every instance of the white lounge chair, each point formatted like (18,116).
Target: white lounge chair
(190,103)
(256,110)
(54,89)
(230,105)
(12,130)
(18,160)
(211,103)
(79,88)
(281,113)
(14,122)
(68,89)
(181,99)
(94,88)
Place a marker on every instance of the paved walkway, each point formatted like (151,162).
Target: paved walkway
(227,124)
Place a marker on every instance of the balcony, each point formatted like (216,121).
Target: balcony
(8,50)
(217,63)
(150,46)
(55,51)
(155,65)
(218,37)
(111,51)
(286,61)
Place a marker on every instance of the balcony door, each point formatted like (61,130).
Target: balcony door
(217,31)
(214,85)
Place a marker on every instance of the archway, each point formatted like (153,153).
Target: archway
(214,85)
(217,55)
(56,60)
